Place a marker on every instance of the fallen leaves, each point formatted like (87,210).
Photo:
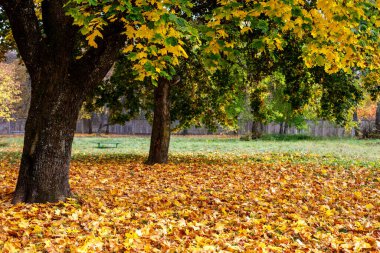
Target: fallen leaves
(199,205)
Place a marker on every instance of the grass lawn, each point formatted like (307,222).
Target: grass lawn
(215,195)
(345,148)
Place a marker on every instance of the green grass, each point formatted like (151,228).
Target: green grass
(344,149)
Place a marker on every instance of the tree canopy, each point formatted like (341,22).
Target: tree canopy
(338,35)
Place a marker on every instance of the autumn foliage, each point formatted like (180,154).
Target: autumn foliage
(9,90)
(367,111)
(200,205)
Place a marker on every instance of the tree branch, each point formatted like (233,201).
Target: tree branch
(95,64)
(58,28)
(25,29)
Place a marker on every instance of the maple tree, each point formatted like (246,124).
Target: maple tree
(9,91)
(194,98)
(49,45)
(367,109)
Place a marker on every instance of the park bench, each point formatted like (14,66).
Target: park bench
(108,144)
(17,132)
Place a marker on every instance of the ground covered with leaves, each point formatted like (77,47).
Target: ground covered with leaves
(200,204)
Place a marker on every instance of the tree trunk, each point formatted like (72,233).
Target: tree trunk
(60,81)
(377,121)
(281,128)
(49,132)
(107,128)
(257,131)
(356,127)
(286,128)
(160,138)
(100,125)
(90,124)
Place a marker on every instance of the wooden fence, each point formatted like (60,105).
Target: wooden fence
(142,127)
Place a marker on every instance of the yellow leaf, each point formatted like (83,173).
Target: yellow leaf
(8,247)
(246,29)
(91,38)
(219,226)
(106,8)
(23,224)
(358,195)
(329,212)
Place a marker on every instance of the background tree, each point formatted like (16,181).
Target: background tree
(191,98)
(377,120)
(22,77)
(9,91)
(6,38)
(372,85)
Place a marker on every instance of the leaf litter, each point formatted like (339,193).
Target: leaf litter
(197,204)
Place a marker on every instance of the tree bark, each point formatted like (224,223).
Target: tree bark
(60,82)
(49,132)
(160,138)
(286,128)
(89,121)
(281,128)
(377,120)
(257,130)
(107,125)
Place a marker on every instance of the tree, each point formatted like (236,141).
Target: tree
(377,120)
(50,47)
(21,76)
(6,41)
(372,85)
(193,97)
(9,91)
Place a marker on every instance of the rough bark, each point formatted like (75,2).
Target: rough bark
(60,83)
(160,138)
(49,132)
(257,130)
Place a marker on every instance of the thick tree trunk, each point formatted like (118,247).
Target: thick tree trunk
(49,132)
(60,81)
(160,138)
(377,121)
